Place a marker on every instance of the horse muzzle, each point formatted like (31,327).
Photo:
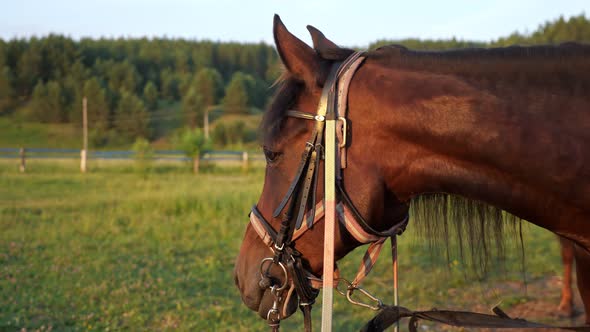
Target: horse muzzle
(272,307)
(270,293)
(279,298)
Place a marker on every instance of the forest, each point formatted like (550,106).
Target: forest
(150,88)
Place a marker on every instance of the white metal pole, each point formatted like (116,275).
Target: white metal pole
(330,208)
(84,153)
(395,277)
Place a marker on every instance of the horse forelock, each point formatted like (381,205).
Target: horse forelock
(288,89)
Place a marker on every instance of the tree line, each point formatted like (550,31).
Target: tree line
(132,83)
(560,30)
(128,80)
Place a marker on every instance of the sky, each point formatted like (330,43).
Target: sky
(347,23)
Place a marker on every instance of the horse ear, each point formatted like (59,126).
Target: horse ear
(326,48)
(300,59)
(320,42)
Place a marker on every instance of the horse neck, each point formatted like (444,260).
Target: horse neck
(521,149)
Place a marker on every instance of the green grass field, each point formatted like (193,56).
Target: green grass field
(120,250)
(16,133)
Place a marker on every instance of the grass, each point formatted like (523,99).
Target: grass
(15,133)
(116,249)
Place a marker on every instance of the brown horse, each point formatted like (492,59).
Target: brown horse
(509,127)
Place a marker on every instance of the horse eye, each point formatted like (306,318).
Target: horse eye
(271,156)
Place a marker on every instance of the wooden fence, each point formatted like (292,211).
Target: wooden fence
(242,158)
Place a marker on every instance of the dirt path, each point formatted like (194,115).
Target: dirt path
(540,305)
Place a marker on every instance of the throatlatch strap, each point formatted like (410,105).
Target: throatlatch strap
(398,229)
(348,70)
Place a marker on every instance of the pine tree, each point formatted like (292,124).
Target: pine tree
(38,104)
(47,103)
(29,68)
(208,84)
(122,76)
(150,95)
(6,92)
(236,95)
(98,108)
(170,84)
(193,108)
(55,103)
(131,117)
(202,56)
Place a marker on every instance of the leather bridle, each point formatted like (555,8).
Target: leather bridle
(299,204)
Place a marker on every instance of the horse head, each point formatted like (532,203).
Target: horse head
(294,167)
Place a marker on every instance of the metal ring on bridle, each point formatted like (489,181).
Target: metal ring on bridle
(271,260)
(274,322)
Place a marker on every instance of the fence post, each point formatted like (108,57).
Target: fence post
(245,161)
(196,160)
(22,166)
(85,135)
(83,161)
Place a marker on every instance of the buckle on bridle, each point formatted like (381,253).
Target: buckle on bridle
(281,247)
(342,143)
(275,309)
(320,150)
